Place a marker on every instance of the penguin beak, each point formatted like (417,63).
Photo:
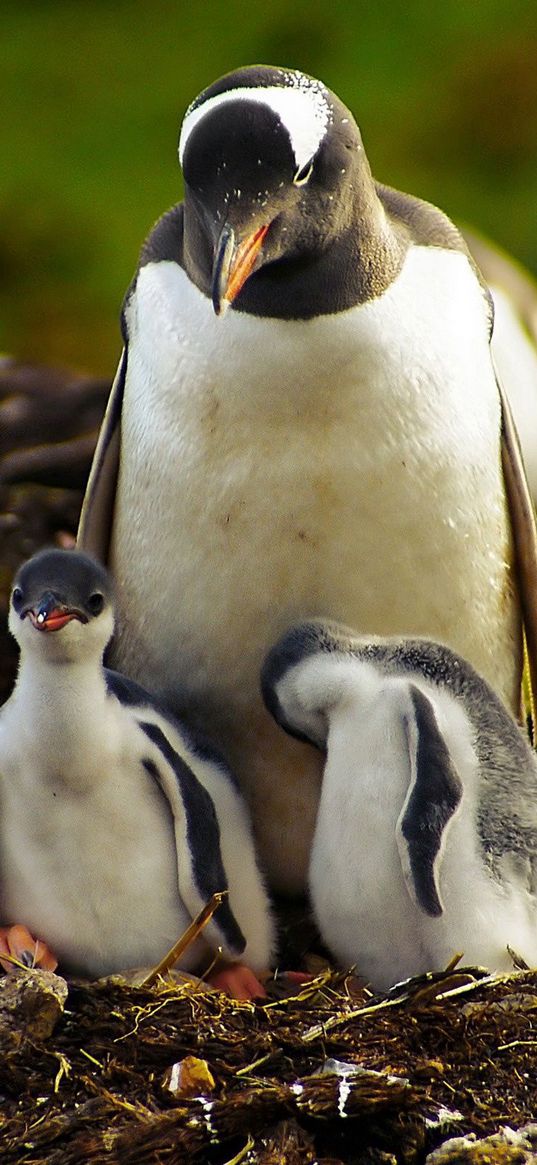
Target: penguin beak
(50,614)
(234,261)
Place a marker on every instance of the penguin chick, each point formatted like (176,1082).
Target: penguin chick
(116,826)
(426,836)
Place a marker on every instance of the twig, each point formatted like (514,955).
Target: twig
(190,935)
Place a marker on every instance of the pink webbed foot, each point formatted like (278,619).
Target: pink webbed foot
(23,948)
(237,981)
(297,978)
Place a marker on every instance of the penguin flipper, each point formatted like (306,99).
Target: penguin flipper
(96,518)
(200,868)
(433,797)
(522,516)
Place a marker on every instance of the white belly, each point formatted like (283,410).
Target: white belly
(346,466)
(92,869)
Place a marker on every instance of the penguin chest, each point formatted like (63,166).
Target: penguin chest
(346,466)
(95,868)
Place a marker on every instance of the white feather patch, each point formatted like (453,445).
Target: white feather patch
(302,107)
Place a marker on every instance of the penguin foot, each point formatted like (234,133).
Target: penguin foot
(21,948)
(298,978)
(236,980)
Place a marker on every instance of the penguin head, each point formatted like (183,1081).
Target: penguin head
(62,604)
(273,165)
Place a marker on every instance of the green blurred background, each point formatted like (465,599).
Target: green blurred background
(93,94)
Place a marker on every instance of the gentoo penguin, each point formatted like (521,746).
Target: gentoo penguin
(426,837)
(116,825)
(305,421)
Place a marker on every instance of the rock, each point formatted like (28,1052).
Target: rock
(508,1147)
(31,1003)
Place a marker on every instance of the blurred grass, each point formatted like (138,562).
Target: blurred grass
(92,95)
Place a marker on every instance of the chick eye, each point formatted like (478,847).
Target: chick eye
(95,603)
(303,174)
(17,597)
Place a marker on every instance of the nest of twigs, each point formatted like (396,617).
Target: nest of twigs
(441,1070)
(176,1073)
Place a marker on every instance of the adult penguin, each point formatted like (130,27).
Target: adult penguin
(305,421)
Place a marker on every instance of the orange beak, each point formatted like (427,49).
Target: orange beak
(50,614)
(233,264)
(54,620)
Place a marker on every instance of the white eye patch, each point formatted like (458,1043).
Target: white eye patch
(302,108)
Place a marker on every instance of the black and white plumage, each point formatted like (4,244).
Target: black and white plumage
(426,835)
(116,826)
(328,445)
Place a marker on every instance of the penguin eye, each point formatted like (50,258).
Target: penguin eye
(17,597)
(95,603)
(303,174)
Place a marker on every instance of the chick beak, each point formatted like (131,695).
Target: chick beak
(50,615)
(233,263)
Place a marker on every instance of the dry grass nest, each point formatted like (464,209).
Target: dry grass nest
(442,1069)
